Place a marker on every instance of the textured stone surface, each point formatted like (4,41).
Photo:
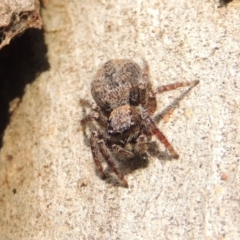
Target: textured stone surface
(49,186)
(16,17)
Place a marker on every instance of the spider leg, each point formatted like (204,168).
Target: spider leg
(105,153)
(161,89)
(95,152)
(90,117)
(173,86)
(145,71)
(152,103)
(122,151)
(96,115)
(152,129)
(141,145)
(144,84)
(89,104)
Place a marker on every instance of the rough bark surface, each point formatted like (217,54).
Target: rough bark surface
(49,186)
(16,17)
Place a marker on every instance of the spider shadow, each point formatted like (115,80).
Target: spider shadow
(158,117)
(128,166)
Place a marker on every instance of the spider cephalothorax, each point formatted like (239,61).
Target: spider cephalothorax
(125,102)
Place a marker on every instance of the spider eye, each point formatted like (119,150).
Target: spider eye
(132,123)
(110,128)
(110,131)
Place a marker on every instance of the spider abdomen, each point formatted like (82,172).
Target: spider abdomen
(117,83)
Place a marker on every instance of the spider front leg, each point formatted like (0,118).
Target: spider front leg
(152,129)
(95,152)
(122,152)
(131,149)
(141,145)
(98,145)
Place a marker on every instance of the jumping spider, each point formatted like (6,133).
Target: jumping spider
(125,103)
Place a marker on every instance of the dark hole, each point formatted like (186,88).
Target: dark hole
(20,63)
(2,35)
(224,2)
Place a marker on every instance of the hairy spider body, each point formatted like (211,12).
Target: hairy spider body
(125,102)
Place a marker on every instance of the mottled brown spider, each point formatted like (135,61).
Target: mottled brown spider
(124,105)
